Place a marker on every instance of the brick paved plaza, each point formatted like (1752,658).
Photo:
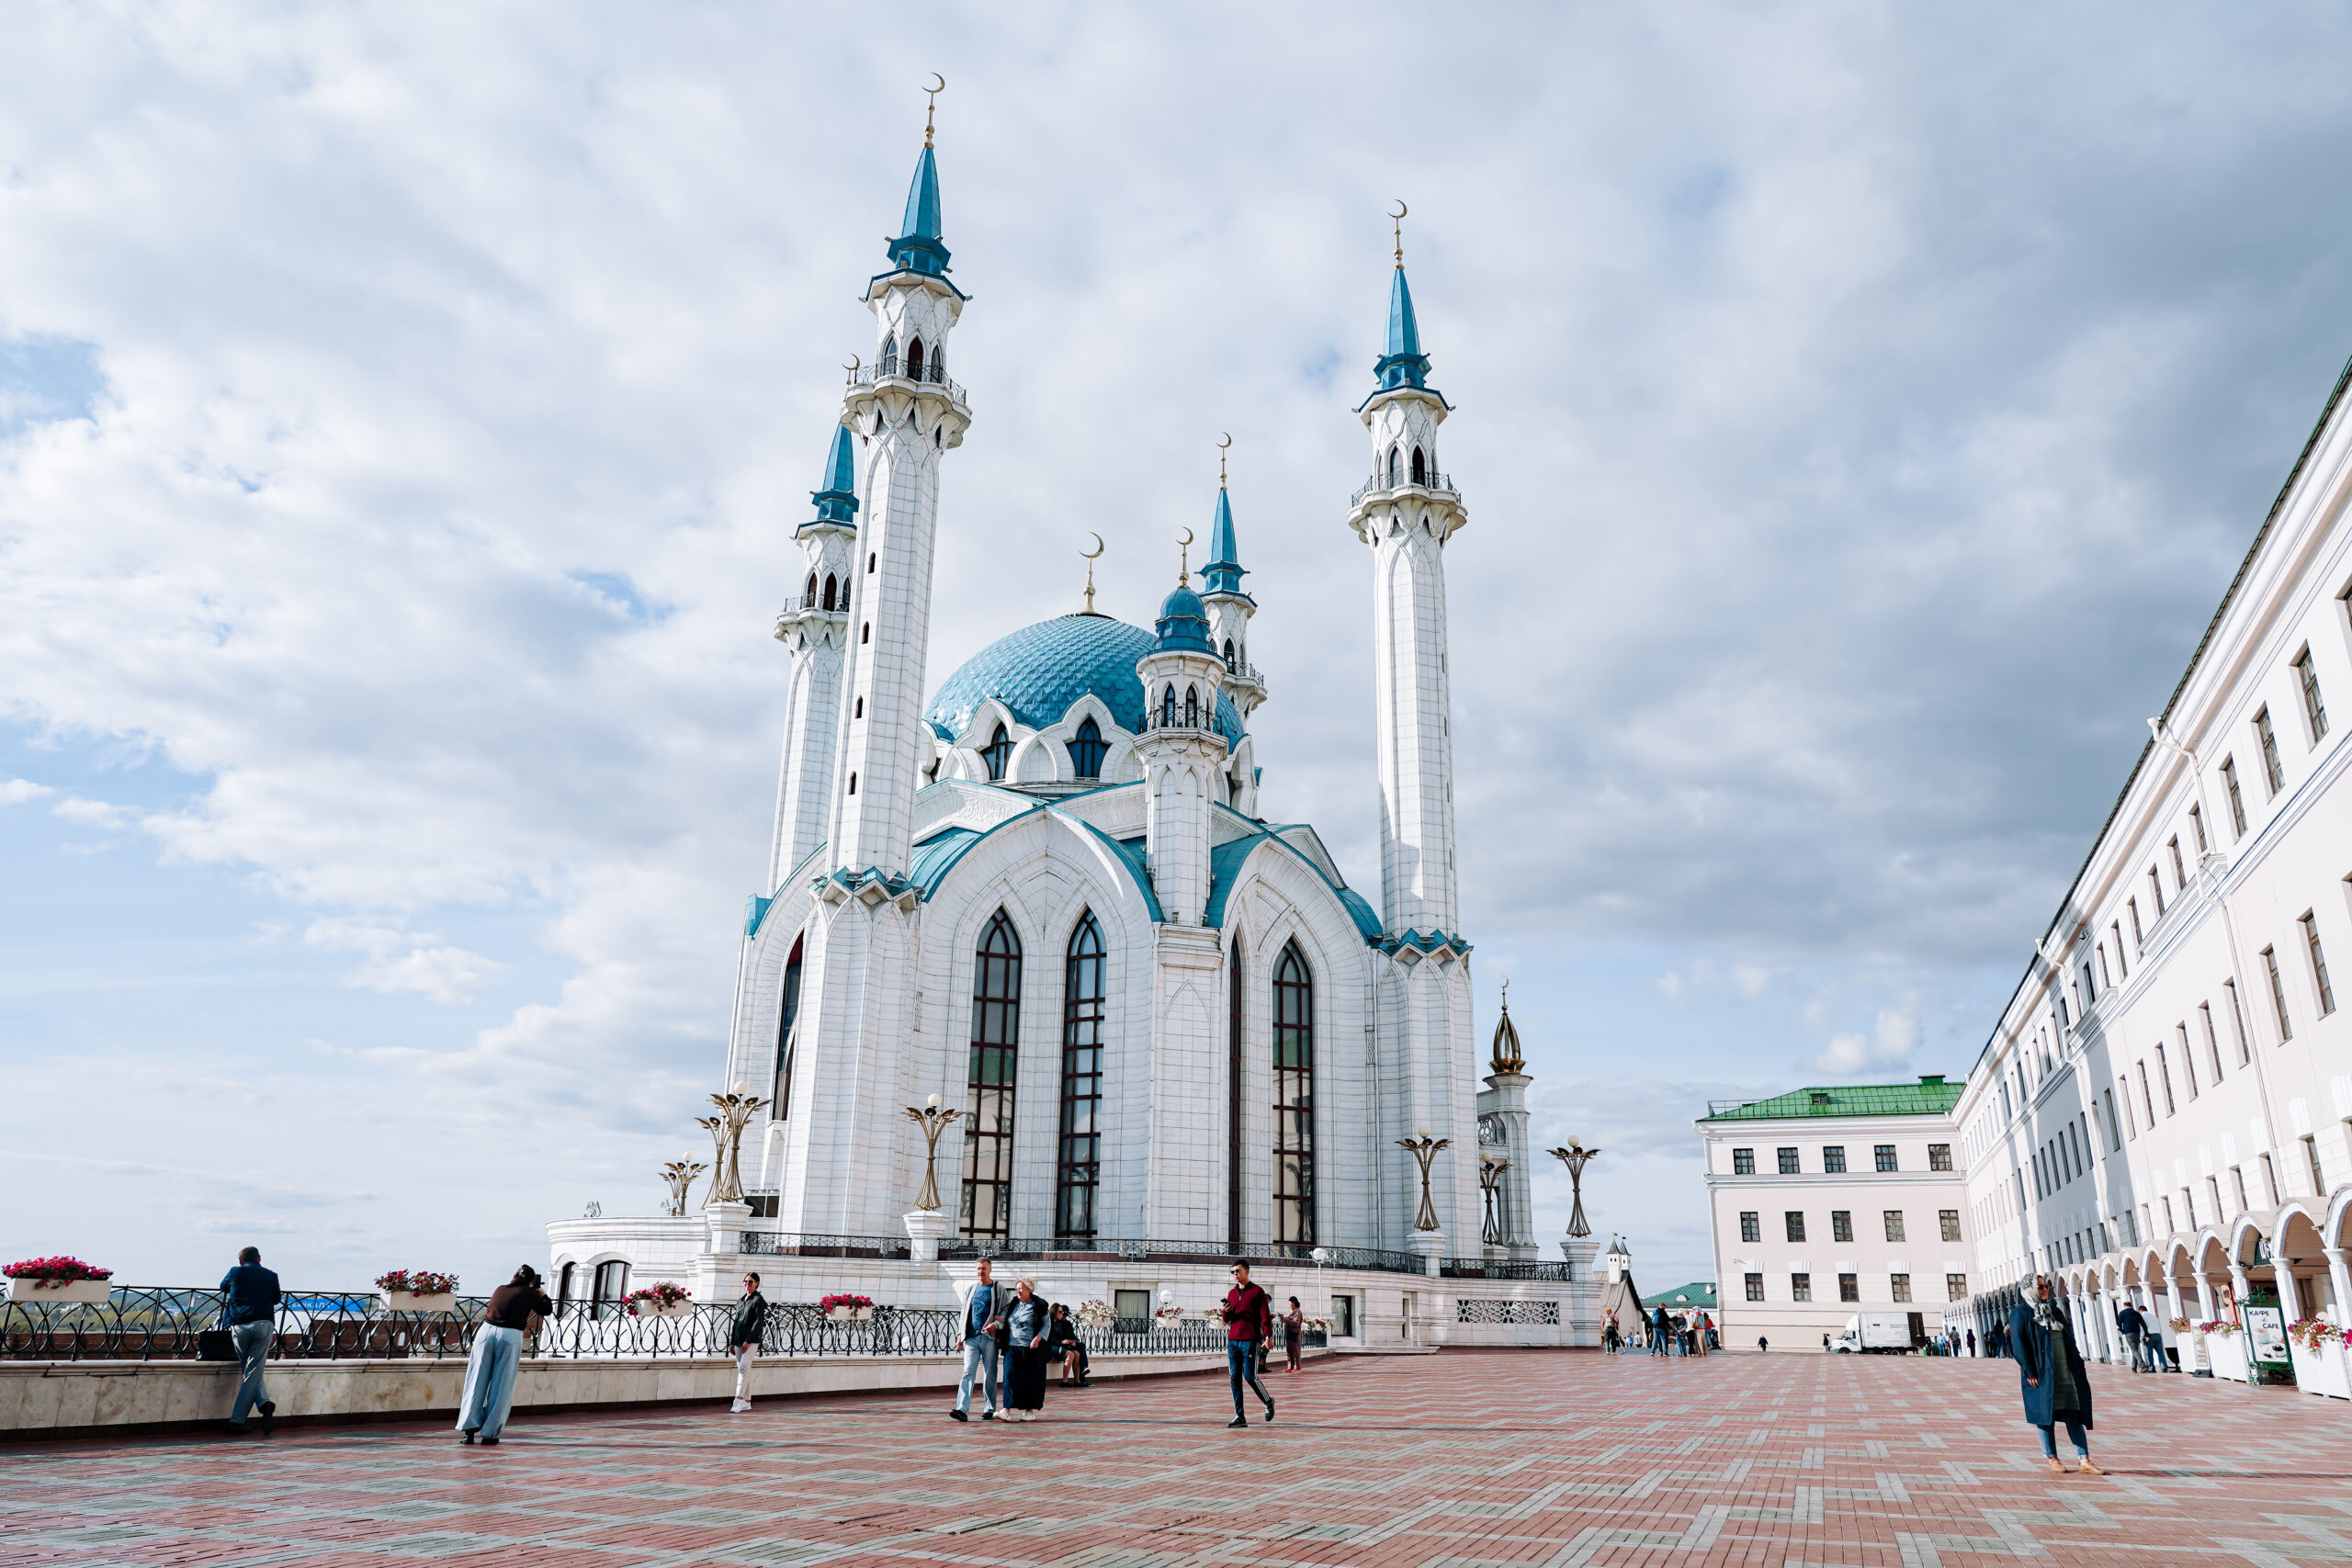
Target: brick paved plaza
(1460,1458)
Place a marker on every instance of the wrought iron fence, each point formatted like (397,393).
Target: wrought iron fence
(1089,1249)
(1380,484)
(1483,1269)
(892,369)
(791,1244)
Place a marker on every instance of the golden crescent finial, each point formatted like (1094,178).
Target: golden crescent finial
(1088,557)
(1097,550)
(930,102)
(1402,211)
(1187,539)
(1184,560)
(1397,219)
(1222,447)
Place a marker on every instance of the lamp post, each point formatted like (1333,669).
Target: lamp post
(1424,1149)
(1490,1176)
(935,1122)
(1574,1157)
(679,1177)
(736,1109)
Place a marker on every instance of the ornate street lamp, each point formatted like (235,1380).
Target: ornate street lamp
(1490,1176)
(678,1176)
(1424,1149)
(736,1109)
(935,1122)
(1574,1157)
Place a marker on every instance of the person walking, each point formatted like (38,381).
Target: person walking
(1762,1345)
(2134,1329)
(1294,1335)
(1972,1343)
(512,1316)
(1659,1331)
(743,1340)
(1249,1323)
(983,1340)
(2050,1370)
(249,1312)
(1027,1320)
(1063,1345)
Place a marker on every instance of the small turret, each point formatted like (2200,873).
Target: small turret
(1229,607)
(837,502)
(1506,1057)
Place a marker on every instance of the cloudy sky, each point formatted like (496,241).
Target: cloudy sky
(404,410)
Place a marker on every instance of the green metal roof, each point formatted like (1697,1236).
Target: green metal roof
(1931,1096)
(1683,1297)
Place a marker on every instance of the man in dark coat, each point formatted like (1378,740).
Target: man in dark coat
(2055,1386)
(2135,1330)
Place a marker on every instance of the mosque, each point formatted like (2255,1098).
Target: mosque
(1053,895)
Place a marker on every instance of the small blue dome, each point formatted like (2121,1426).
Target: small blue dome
(1184,623)
(1039,671)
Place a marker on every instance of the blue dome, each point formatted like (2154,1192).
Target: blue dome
(1185,622)
(1038,671)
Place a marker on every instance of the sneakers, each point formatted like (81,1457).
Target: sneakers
(1269,1410)
(740,1406)
(268,1419)
(955,1415)
(1236,1421)
(987,1415)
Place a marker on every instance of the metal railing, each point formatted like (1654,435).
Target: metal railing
(891,368)
(1087,1248)
(814,604)
(172,1323)
(1204,723)
(1380,484)
(1482,1269)
(793,1243)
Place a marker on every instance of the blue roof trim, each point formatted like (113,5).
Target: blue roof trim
(1225,868)
(1430,941)
(938,854)
(755,914)
(933,855)
(1040,670)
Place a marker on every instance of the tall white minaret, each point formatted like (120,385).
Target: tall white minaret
(1406,514)
(1183,753)
(813,624)
(907,413)
(1230,608)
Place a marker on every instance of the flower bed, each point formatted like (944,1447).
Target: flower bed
(846,1308)
(417,1290)
(663,1298)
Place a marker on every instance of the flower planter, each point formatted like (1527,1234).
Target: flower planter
(676,1309)
(2227,1354)
(2322,1371)
(411,1300)
(65,1293)
(850,1314)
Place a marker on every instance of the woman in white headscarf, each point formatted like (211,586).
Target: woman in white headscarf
(2050,1369)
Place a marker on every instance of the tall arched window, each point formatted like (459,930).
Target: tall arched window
(1294,1098)
(1168,706)
(998,752)
(1228,650)
(780,1102)
(811,596)
(1087,749)
(1191,705)
(1421,470)
(563,1286)
(889,366)
(996,1039)
(1078,1161)
(914,359)
(1236,1070)
(830,590)
(1393,470)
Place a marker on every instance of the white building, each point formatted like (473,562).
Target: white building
(1052,897)
(1830,1201)
(2161,1113)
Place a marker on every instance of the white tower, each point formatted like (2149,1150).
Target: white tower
(814,625)
(1230,608)
(1183,751)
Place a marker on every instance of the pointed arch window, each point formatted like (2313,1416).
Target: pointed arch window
(811,597)
(914,359)
(1228,650)
(1420,469)
(1087,749)
(889,366)
(1236,1078)
(1293,1098)
(780,1102)
(1394,472)
(998,752)
(833,587)
(996,1041)
(1168,706)
(1078,1169)
(1192,707)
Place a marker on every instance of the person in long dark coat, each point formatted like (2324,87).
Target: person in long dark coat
(2050,1370)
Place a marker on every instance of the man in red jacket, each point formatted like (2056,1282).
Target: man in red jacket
(1249,1323)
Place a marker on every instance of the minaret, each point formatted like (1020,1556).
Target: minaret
(1502,1131)
(1229,608)
(906,413)
(813,625)
(1406,514)
(1182,753)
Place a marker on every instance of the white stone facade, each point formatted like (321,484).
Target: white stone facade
(2164,1112)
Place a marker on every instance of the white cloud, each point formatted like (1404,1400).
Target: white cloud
(401,961)
(16,792)
(1895,1037)
(91,813)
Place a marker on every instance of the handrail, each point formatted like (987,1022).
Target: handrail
(1439,484)
(929,374)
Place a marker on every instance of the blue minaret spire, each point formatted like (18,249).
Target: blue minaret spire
(837,502)
(1224,572)
(920,249)
(1402,364)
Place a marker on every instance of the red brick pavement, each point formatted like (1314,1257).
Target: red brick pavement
(1454,1460)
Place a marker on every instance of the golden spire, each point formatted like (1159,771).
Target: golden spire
(1506,1057)
(1184,560)
(930,102)
(1089,558)
(1397,220)
(1222,447)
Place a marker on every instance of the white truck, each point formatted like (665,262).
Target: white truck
(1879,1333)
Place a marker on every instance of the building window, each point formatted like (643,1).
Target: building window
(1755,1287)
(1420,469)
(1800,1287)
(2278,994)
(780,1100)
(1950,1219)
(1343,1316)
(996,1041)
(998,752)
(1787,1162)
(1294,1098)
(1087,749)
(2179,873)
(2155,891)
(611,1285)
(1793,1220)
(1899,1287)
(2320,986)
(2212,1041)
(1237,1066)
(1743,1162)
(1751,1226)
(1955,1287)
(2270,1180)
(2164,1075)
(1841,1225)
(1192,707)
(2197,826)
(1938,1156)
(2274,775)
(2131,906)
(2237,1022)
(1833,1159)
(2237,1180)
(1850,1286)
(1081,1157)
(2311,1157)
(1884,1156)
(1894,1218)
(2314,711)
(2237,799)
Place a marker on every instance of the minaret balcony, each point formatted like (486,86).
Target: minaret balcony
(1205,725)
(892,369)
(810,606)
(1379,485)
(1244,683)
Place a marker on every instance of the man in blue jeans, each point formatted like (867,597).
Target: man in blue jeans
(982,1340)
(1249,1323)
(250,1313)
